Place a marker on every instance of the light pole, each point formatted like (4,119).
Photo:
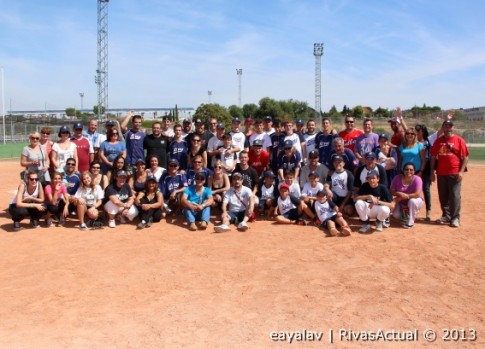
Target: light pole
(318,53)
(3,108)
(209,94)
(82,96)
(239,75)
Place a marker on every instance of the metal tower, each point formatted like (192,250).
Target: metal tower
(101,78)
(239,75)
(318,53)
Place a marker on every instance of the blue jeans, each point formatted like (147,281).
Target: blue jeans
(198,216)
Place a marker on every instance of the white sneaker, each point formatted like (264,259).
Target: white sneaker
(365,228)
(378,225)
(112,223)
(242,226)
(221,228)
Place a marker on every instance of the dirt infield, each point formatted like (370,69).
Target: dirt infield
(166,287)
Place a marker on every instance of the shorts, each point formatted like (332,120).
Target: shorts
(236,217)
(292,214)
(333,218)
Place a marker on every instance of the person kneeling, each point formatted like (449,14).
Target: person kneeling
(120,200)
(88,198)
(329,214)
(149,203)
(197,200)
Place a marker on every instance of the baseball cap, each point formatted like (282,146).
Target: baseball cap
(300,122)
(249,121)
(383,135)
(370,155)
(337,158)
(276,122)
(187,121)
(121,174)
(268,174)
(447,123)
(198,121)
(288,143)
(109,123)
(258,143)
(152,178)
(237,174)
(236,120)
(372,173)
(394,120)
(285,186)
(77,125)
(221,126)
(313,154)
(63,129)
(267,118)
(139,161)
(313,174)
(173,161)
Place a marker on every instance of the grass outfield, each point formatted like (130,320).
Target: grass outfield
(13,150)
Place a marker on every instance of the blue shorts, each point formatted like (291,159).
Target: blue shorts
(292,214)
(236,217)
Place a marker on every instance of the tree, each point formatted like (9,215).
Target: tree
(268,106)
(71,112)
(237,112)
(249,110)
(333,113)
(101,112)
(358,112)
(207,111)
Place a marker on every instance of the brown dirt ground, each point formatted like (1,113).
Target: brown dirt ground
(166,287)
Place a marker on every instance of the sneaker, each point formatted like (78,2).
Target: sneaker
(48,222)
(455,223)
(83,226)
(122,219)
(365,228)
(300,221)
(346,231)
(62,220)
(112,223)
(203,225)
(150,222)
(141,225)
(34,223)
(97,223)
(379,225)
(386,223)
(242,226)
(16,226)
(221,228)
(407,226)
(443,220)
(317,221)
(192,227)
(428,216)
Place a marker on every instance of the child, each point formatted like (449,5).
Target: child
(290,208)
(327,213)
(311,188)
(227,156)
(267,194)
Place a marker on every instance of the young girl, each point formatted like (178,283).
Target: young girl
(57,200)
(88,199)
(328,213)
(149,203)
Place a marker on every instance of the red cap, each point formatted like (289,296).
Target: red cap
(285,186)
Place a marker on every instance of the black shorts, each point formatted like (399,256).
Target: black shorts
(292,214)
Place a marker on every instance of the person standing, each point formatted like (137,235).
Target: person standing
(451,152)
(134,138)
(63,149)
(178,148)
(366,142)
(85,151)
(350,134)
(167,130)
(157,144)
(93,136)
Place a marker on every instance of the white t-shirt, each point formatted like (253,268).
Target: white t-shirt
(63,155)
(310,191)
(324,210)
(235,203)
(90,195)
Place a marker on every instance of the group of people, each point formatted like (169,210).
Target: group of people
(278,170)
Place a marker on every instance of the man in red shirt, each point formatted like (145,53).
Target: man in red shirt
(398,134)
(452,154)
(258,158)
(350,134)
(85,150)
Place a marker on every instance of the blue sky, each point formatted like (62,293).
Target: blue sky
(161,53)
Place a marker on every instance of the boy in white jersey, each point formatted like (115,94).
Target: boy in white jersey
(328,214)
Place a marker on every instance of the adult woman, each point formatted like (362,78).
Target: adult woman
(63,149)
(98,177)
(28,201)
(119,164)
(412,151)
(220,183)
(138,180)
(45,133)
(88,199)
(427,140)
(197,149)
(154,169)
(112,147)
(57,199)
(149,203)
(407,189)
(35,158)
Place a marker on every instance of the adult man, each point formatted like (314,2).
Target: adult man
(213,125)
(258,158)
(178,148)
(268,125)
(157,144)
(200,131)
(395,123)
(350,134)
(313,165)
(85,151)
(134,138)
(249,174)
(248,129)
(186,128)
(350,160)
(323,140)
(172,184)
(167,130)
(238,137)
(93,136)
(373,200)
(259,134)
(277,140)
(214,143)
(197,200)
(309,137)
(72,180)
(121,200)
(237,206)
(198,167)
(367,142)
(452,154)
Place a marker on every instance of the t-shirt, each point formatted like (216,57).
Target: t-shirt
(196,198)
(90,195)
(265,193)
(341,182)
(310,191)
(111,151)
(49,190)
(264,137)
(40,156)
(84,148)
(123,193)
(350,137)
(259,163)
(191,174)
(415,185)
(285,205)
(169,184)
(325,210)
(179,150)
(324,145)
(411,155)
(72,182)
(309,143)
(249,175)
(366,143)
(233,199)
(158,146)
(449,152)
(63,155)
(380,192)
(134,146)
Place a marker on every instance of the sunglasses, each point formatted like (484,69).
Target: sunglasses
(34,138)
(33,179)
(349,122)
(196,140)
(218,167)
(96,168)
(199,179)
(409,169)
(70,164)
(197,162)
(410,133)
(45,133)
